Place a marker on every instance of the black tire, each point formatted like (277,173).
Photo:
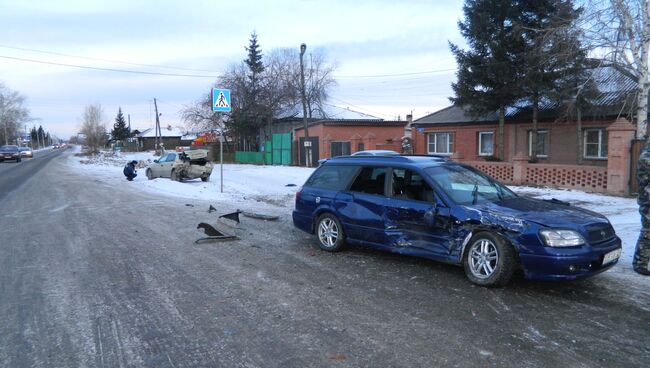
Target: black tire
(174,176)
(149,174)
(205,178)
(489,260)
(329,233)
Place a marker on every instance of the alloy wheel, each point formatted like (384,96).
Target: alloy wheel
(483,258)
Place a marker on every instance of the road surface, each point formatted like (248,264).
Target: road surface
(93,275)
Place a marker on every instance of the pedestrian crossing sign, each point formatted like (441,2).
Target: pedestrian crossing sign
(220,100)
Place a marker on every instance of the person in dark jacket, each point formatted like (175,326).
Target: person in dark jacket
(129,170)
(641,262)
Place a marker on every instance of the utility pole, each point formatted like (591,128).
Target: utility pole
(307,143)
(158,132)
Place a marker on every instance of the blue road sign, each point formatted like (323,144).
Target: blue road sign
(221,100)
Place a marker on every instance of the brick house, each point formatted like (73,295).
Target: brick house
(455,132)
(341,131)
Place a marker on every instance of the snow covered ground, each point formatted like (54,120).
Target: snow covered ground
(251,186)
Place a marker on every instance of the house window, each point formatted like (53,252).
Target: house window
(485,143)
(542,143)
(361,147)
(595,143)
(441,143)
(340,148)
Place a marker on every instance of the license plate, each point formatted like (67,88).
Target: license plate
(611,256)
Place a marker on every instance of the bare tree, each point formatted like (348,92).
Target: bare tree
(13,113)
(277,89)
(619,31)
(93,127)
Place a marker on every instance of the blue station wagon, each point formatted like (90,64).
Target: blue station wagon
(439,209)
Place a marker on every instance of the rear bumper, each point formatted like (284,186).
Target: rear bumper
(302,222)
(569,267)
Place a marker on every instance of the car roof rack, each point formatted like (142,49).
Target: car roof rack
(405,158)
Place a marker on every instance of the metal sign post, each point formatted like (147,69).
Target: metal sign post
(221,103)
(221,157)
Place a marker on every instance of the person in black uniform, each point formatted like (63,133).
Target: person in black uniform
(129,170)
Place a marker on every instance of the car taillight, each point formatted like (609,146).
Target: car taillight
(298,194)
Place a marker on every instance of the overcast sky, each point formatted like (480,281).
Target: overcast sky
(392,57)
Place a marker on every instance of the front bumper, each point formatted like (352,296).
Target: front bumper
(569,263)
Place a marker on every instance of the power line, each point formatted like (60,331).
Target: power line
(107,69)
(107,60)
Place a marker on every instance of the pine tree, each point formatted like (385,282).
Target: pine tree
(542,24)
(120,131)
(254,60)
(34,136)
(488,71)
(253,110)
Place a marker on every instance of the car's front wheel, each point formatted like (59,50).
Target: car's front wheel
(205,178)
(330,233)
(149,174)
(489,260)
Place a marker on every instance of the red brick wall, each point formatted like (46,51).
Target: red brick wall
(465,139)
(372,137)
(562,140)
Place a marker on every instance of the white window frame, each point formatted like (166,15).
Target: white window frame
(601,140)
(480,143)
(530,141)
(450,143)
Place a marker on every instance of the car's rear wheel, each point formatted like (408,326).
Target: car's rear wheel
(330,233)
(205,178)
(149,174)
(489,260)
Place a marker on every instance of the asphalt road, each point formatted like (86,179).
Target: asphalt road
(93,275)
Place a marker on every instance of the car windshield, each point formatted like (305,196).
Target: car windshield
(467,186)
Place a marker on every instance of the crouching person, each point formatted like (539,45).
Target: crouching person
(129,170)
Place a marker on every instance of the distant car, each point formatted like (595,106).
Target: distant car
(376,153)
(55,146)
(10,152)
(26,152)
(181,165)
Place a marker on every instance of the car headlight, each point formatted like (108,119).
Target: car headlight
(561,238)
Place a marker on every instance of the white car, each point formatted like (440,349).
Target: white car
(181,165)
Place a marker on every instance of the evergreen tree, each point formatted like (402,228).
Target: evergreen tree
(254,60)
(41,134)
(488,70)
(120,130)
(33,135)
(542,25)
(252,114)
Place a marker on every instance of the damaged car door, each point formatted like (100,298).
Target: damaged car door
(416,219)
(364,214)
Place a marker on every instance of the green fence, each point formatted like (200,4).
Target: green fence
(277,151)
(256,158)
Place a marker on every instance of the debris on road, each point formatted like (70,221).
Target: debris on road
(234,216)
(211,209)
(259,216)
(213,234)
